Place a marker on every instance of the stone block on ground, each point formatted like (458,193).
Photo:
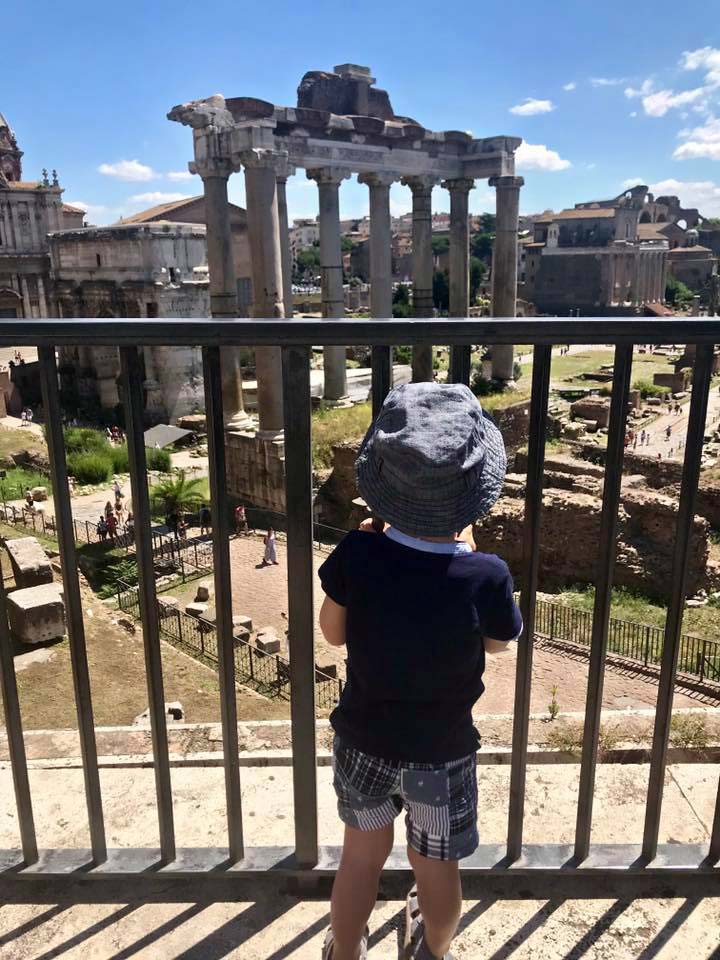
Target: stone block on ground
(29,562)
(202,594)
(37,614)
(196,610)
(241,635)
(173,711)
(242,620)
(39,493)
(268,643)
(167,606)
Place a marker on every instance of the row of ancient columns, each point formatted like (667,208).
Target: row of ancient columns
(639,276)
(265,182)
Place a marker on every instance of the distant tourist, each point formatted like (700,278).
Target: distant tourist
(205,520)
(108,510)
(182,529)
(29,499)
(642,438)
(117,489)
(668,432)
(101,529)
(130,525)
(270,555)
(29,416)
(23,417)
(112,526)
(241,524)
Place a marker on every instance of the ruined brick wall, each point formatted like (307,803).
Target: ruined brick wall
(570,531)
(256,470)
(335,496)
(592,408)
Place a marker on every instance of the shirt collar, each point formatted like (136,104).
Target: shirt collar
(427,546)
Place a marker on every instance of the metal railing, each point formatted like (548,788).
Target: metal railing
(268,673)
(517,868)
(698,657)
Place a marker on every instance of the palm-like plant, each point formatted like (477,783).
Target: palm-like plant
(178,494)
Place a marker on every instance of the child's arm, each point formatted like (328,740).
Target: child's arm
(332,622)
(496,646)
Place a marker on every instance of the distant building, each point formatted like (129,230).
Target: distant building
(29,210)
(592,258)
(303,235)
(155,269)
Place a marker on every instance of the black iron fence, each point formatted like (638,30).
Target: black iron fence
(268,673)
(518,868)
(642,643)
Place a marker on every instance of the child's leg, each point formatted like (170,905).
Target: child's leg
(440,899)
(356,885)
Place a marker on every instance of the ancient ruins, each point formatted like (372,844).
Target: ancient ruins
(342,125)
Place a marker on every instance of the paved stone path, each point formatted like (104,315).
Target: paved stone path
(673,447)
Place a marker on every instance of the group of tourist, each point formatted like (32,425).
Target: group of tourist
(114,435)
(26,417)
(115,521)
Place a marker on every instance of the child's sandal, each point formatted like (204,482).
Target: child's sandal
(415,946)
(327,950)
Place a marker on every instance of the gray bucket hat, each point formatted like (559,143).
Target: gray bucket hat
(432,461)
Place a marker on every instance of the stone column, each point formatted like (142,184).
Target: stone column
(223,283)
(504,267)
(459,259)
(328,180)
(44,311)
(154,407)
(264,236)
(284,170)
(380,242)
(26,297)
(422,268)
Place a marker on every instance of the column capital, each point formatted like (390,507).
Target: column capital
(422,183)
(378,178)
(459,185)
(284,169)
(332,176)
(260,158)
(506,183)
(212,166)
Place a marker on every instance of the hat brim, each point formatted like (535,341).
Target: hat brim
(421,518)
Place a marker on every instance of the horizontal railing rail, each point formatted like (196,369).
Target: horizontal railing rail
(518,868)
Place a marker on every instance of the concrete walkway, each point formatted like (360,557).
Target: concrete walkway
(276,926)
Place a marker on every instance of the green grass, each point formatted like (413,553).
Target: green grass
(331,426)
(14,441)
(567,370)
(18,479)
(627,605)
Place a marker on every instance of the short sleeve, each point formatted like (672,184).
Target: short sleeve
(504,620)
(333,573)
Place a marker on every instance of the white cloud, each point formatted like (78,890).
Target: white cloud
(705,58)
(179,175)
(657,104)
(128,170)
(633,113)
(632,182)
(536,156)
(606,81)
(703,194)
(97,212)
(641,91)
(157,196)
(703,141)
(569,86)
(529,107)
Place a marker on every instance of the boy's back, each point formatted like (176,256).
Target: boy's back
(417,613)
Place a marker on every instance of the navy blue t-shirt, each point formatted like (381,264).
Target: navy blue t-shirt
(416,619)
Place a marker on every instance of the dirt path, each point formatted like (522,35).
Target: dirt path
(673,447)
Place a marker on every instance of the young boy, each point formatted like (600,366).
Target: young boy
(417,608)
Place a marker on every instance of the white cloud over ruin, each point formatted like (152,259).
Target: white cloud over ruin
(530,106)
(536,156)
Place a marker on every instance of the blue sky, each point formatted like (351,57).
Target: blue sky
(603,94)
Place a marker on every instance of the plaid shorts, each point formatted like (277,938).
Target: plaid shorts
(440,799)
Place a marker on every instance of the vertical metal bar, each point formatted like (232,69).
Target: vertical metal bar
(702,373)
(301,616)
(531,562)
(603,591)
(134,409)
(73,601)
(381,363)
(223,596)
(714,851)
(460,356)
(16,741)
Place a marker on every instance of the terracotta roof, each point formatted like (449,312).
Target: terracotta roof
(652,231)
(69,208)
(152,212)
(698,249)
(593,214)
(25,184)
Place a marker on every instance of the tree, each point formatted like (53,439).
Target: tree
(677,294)
(441,291)
(478,271)
(178,494)
(401,301)
(440,244)
(481,245)
(308,261)
(346,244)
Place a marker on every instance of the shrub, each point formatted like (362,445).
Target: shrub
(648,389)
(84,440)
(89,467)
(158,460)
(119,457)
(687,730)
